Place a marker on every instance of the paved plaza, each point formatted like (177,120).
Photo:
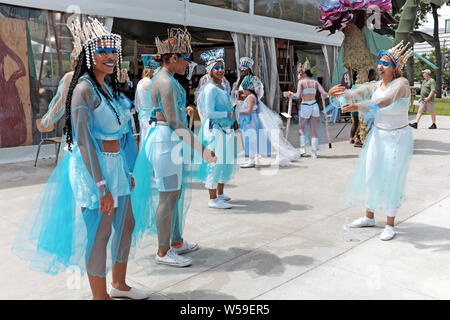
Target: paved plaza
(283,238)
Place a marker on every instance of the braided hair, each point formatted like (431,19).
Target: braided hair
(80,69)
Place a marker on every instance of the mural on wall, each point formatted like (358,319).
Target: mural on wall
(15,108)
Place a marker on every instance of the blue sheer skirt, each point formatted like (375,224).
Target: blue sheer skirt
(165,166)
(256,140)
(64,227)
(379,179)
(224,144)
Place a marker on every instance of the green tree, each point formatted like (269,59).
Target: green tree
(419,66)
(405,30)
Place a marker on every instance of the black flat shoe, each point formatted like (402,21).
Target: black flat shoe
(414,125)
(433,126)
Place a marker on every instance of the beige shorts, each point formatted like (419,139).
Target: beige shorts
(427,106)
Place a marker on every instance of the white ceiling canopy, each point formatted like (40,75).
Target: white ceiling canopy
(190,14)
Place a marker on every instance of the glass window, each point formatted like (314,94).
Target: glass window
(447,26)
(237,5)
(303,11)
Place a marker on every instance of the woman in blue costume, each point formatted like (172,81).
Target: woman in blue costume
(150,65)
(245,69)
(56,107)
(309,109)
(249,122)
(261,128)
(217,132)
(164,168)
(379,180)
(85,211)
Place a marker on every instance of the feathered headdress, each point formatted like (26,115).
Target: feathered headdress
(246,63)
(250,82)
(399,54)
(213,56)
(91,35)
(149,61)
(179,41)
(305,67)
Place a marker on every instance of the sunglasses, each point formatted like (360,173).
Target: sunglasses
(105,51)
(218,67)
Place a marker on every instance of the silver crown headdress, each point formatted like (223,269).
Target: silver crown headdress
(398,53)
(179,41)
(246,62)
(213,56)
(92,35)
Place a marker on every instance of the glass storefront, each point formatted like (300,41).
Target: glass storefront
(302,11)
(40,50)
(237,5)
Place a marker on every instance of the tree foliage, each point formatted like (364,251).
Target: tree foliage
(419,66)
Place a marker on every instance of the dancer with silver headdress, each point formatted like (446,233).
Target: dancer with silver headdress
(245,69)
(204,80)
(150,65)
(217,132)
(164,170)
(380,177)
(261,128)
(88,194)
(309,109)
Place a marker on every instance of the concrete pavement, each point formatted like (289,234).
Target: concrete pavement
(283,239)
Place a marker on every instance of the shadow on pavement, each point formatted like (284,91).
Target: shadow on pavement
(266,206)
(424,236)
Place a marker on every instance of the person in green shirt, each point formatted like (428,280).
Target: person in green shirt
(426,100)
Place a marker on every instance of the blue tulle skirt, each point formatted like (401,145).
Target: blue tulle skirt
(164,165)
(224,144)
(64,228)
(379,179)
(256,140)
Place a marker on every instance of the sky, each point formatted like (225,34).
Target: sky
(444,13)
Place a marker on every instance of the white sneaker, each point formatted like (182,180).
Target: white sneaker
(314,155)
(362,223)
(302,152)
(186,247)
(173,259)
(388,233)
(134,293)
(223,197)
(248,164)
(219,204)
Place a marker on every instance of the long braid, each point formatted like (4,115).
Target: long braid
(80,69)
(104,94)
(115,82)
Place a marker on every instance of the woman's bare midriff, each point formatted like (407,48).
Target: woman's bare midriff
(111,146)
(160,117)
(308,98)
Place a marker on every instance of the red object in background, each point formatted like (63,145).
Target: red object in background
(13,128)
